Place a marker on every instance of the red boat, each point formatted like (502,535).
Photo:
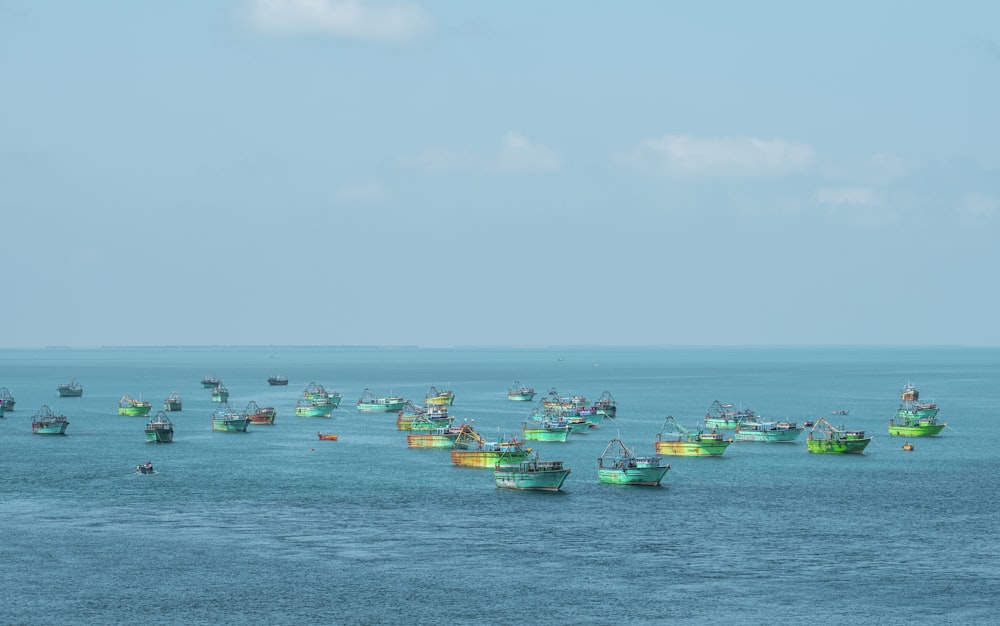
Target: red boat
(327,436)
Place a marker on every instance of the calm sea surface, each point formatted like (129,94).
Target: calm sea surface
(274,526)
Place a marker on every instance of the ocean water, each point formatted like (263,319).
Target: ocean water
(276,527)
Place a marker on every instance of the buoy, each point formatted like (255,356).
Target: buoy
(908,446)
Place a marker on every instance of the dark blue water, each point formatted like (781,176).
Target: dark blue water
(275,526)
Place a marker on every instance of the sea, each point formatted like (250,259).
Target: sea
(276,527)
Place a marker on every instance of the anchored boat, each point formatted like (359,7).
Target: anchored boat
(545,430)
(6,400)
(676,440)
(220,393)
(440,438)
(370,403)
(132,407)
(757,429)
(277,380)
(313,408)
(160,429)
(146,469)
(45,422)
(914,419)
(486,454)
(606,405)
(519,393)
(173,402)
(227,420)
(725,416)
(619,465)
(209,381)
(72,389)
(530,474)
(318,393)
(824,438)
(439,398)
(326,436)
(259,414)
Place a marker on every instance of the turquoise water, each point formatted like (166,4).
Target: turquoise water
(274,526)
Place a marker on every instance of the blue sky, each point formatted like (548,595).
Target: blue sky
(461,173)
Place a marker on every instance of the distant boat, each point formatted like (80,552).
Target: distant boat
(173,402)
(132,407)
(327,436)
(160,429)
(840,412)
(619,465)
(229,421)
(260,415)
(145,469)
(220,393)
(519,393)
(45,422)
(725,416)
(439,398)
(370,403)
(6,400)
(277,380)
(824,438)
(530,474)
(913,419)
(676,440)
(757,429)
(72,389)
(209,381)
(606,405)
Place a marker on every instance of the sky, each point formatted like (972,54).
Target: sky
(449,173)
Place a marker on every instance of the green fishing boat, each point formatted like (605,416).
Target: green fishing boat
(519,393)
(534,430)
(486,454)
(159,429)
(440,438)
(173,402)
(434,397)
(226,420)
(530,474)
(132,407)
(45,422)
(725,416)
(914,419)
(370,403)
(72,389)
(220,393)
(318,393)
(827,439)
(312,408)
(676,440)
(619,465)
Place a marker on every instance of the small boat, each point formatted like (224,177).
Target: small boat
(370,403)
(146,469)
(434,397)
(606,405)
(227,420)
(676,440)
(72,389)
(530,474)
(824,438)
(220,393)
(725,416)
(6,400)
(519,393)
(440,438)
(312,408)
(173,402)
(913,419)
(277,380)
(908,446)
(619,465)
(757,429)
(132,407)
(471,450)
(534,430)
(840,412)
(327,436)
(209,381)
(159,429)
(259,414)
(45,422)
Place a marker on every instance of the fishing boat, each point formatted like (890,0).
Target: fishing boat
(422,419)
(485,454)
(146,469)
(327,436)
(676,440)
(45,422)
(534,430)
(159,429)
(312,408)
(757,429)
(278,379)
(318,393)
(260,414)
(220,393)
(173,402)
(824,438)
(433,397)
(725,416)
(913,419)
(839,412)
(72,389)
(209,381)
(370,403)
(619,465)
(132,407)
(519,393)
(227,420)
(440,438)
(6,400)
(606,405)
(530,474)
(570,404)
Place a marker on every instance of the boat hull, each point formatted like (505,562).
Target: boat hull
(769,436)
(264,417)
(842,446)
(486,459)
(915,430)
(237,425)
(692,448)
(49,428)
(546,434)
(431,440)
(220,397)
(172,407)
(159,435)
(382,406)
(515,477)
(70,393)
(520,397)
(440,400)
(643,476)
(135,411)
(313,411)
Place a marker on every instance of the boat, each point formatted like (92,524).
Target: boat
(530,474)
(209,381)
(534,430)
(145,469)
(173,402)
(6,400)
(840,412)
(227,420)
(908,446)
(317,392)
(45,422)
(312,408)
(433,397)
(676,440)
(220,393)
(619,465)
(519,393)
(132,407)
(757,429)
(471,450)
(420,419)
(440,438)
(259,414)
(327,436)
(606,405)
(72,389)
(159,429)
(725,416)
(824,438)
(277,380)
(913,419)
(370,403)
(570,404)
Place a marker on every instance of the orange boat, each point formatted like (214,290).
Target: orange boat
(327,436)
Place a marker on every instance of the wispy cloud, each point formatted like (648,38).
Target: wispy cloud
(978,208)
(517,154)
(520,154)
(686,156)
(848,196)
(348,19)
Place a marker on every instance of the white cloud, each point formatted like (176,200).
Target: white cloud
(849,196)
(519,154)
(978,208)
(349,19)
(685,156)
